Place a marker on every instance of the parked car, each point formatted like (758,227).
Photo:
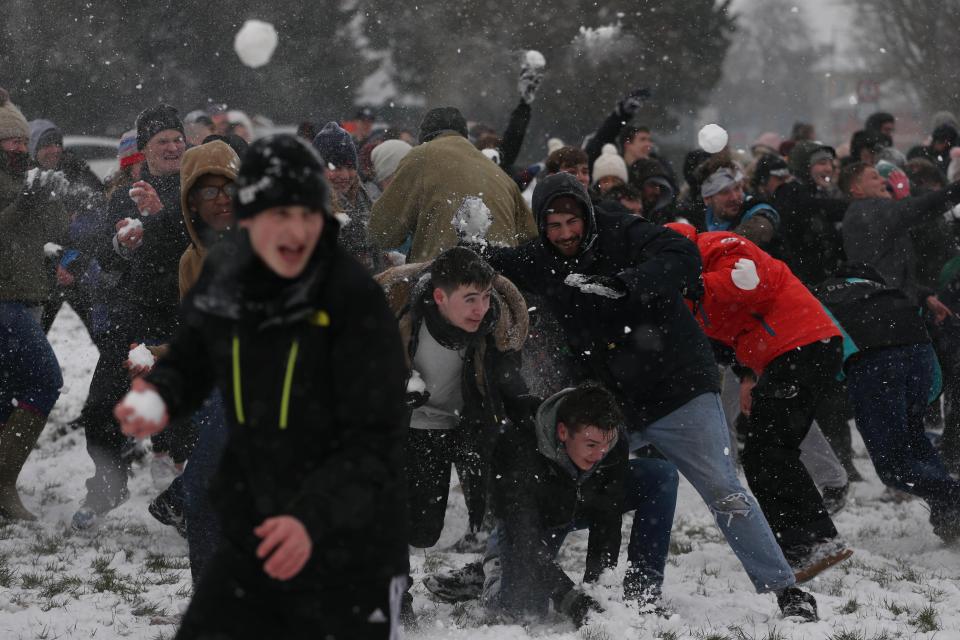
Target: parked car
(99,152)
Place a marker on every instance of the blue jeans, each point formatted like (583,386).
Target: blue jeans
(203,524)
(29,371)
(889,390)
(650,489)
(696,439)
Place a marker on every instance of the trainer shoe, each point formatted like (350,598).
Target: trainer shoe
(166,510)
(808,562)
(89,514)
(458,585)
(796,603)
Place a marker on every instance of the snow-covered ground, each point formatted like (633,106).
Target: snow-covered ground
(129,578)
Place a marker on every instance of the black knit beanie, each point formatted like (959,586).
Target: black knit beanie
(153,120)
(280,170)
(441,119)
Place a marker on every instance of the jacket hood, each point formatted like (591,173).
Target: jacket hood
(401,286)
(799,162)
(549,445)
(215,158)
(38,130)
(553,187)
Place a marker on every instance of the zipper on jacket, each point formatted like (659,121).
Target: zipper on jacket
(763,323)
(237,397)
(288,382)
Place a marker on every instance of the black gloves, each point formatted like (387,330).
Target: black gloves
(632,102)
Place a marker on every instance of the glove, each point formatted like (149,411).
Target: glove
(578,606)
(605,286)
(531,75)
(414,399)
(632,102)
(744,275)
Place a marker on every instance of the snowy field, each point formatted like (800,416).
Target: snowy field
(130,578)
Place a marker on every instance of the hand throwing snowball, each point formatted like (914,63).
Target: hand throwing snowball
(255,43)
(142,412)
(712,138)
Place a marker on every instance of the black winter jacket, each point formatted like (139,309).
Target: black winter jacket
(311,372)
(535,488)
(809,226)
(646,347)
(150,278)
(872,313)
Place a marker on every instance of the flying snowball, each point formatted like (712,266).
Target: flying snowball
(255,43)
(534,59)
(712,138)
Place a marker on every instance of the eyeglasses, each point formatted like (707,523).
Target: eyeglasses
(211,193)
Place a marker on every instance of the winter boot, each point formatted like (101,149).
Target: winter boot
(17,438)
(638,587)
(457,586)
(810,561)
(796,603)
(167,508)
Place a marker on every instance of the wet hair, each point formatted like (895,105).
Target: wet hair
(850,174)
(566,157)
(589,404)
(458,267)
(713,164)
(627,134)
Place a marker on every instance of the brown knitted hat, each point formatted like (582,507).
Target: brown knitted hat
(12,122)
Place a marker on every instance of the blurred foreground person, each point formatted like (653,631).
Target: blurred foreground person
(305,351)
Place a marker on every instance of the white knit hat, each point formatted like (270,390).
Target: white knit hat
(609,164)
(12,122)
(553,144)
(386,156)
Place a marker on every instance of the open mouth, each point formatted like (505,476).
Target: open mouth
(292,254)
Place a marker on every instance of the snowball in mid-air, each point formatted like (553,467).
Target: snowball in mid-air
(534,59)
(52,250)
(472,219)
(140,356)
(146,404)
(712,138)
(255,43)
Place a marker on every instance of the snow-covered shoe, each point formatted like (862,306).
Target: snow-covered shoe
(166,510)
(458,585)
(89,514)
(645,592)
(817,558)
(796,603)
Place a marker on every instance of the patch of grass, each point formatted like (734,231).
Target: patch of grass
(846,634)
(835,587)
(158,563)
(166,578)
(186,591)
(32,580)
(110,580)
(47,546)
(740,634)
(895,608)
(69,584)
(6,573)
(148,609)
(926,620)
(101,563)
(713,572)
(851,607)
(595,633)
(909,573)
(882,577)
(933,594)
(680,547)
(666,634)
(53,603)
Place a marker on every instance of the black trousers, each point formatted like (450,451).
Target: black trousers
(784,403)
(105,442)
(430,455)
(235,599)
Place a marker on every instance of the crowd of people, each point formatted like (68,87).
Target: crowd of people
(314,330)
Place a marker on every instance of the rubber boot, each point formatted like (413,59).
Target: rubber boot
(17,438)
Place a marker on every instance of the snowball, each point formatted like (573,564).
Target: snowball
(52,250)
(255,43)
(129,226)
(343,219)
(534,59)
(581,281)
(712,138)
(141,356)
(472,220)
(416,384)
(146,404)
(744,274)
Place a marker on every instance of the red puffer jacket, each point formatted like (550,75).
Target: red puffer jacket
(761,310)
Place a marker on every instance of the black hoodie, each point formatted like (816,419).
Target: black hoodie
(646,347)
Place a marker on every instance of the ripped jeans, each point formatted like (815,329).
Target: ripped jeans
(695,438)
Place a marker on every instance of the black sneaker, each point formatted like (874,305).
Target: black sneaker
(796,603)
(811,561)
(457,586)
(472,542)
(166,510)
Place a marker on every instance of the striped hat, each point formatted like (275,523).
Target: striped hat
(127,152)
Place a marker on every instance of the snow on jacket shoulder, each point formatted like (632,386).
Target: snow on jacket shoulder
(753,303)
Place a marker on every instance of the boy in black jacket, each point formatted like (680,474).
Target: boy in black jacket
(561,471)
(305,351)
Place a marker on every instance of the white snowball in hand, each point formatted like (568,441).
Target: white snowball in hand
(141,356)
(130,225)
(712,138)
(416,384)
(255,43)
(744,275)
(146,404)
